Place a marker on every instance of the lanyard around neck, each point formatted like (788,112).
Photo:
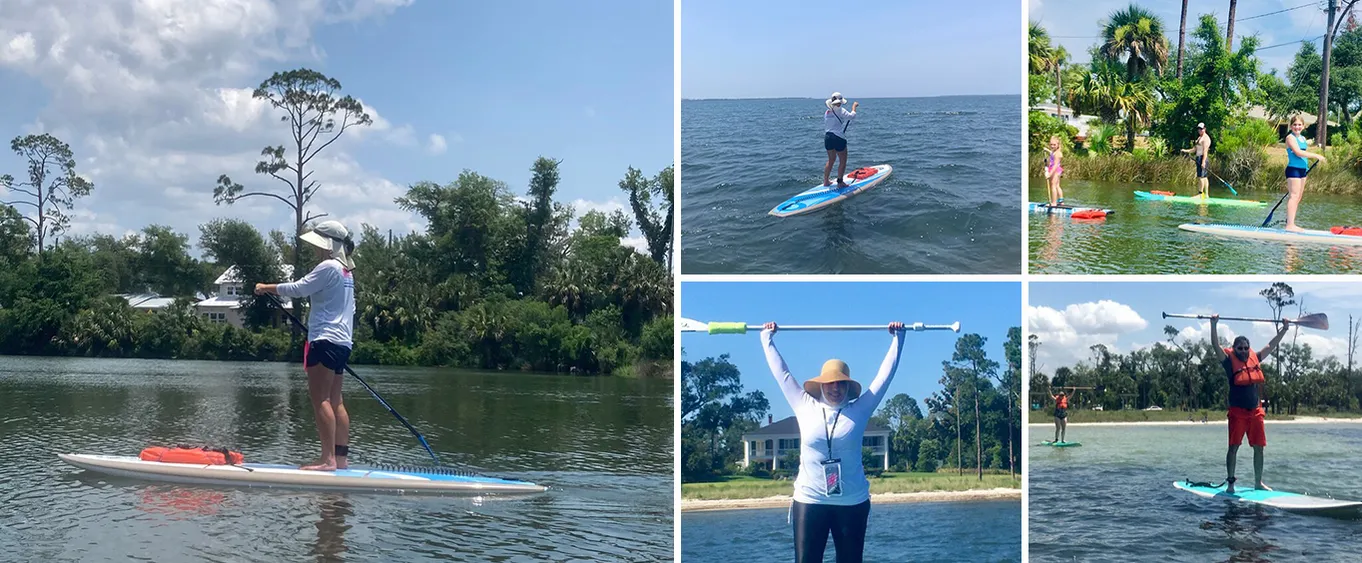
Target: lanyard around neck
(830,430)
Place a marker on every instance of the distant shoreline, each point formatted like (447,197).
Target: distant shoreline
(781,501)
(1210,421)
(820,98)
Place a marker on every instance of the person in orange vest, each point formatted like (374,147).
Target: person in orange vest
(1061,414)
(1243,367)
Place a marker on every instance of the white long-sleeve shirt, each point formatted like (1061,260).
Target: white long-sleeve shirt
(835,121)
(815,418)
(332,289)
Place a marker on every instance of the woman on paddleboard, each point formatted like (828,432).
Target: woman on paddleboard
(835,123)
(1053,169)
(1061,414)
(1297,168)
(330,330)
(831,493)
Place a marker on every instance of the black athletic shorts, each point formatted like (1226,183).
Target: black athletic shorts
(834,143)
(1061,413)
(327,353)
(1201,166)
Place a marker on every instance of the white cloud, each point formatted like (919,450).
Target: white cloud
(1066,335)
(437,144)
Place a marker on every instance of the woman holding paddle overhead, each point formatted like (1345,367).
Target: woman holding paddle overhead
(1054,168)
(1297,168)
(831,493)
(330,329)
(835,123)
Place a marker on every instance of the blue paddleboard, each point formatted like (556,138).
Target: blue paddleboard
(1284,500)
(1038,207)
(821,196)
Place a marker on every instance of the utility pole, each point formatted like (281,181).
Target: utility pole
(1229,37)
(1322,121)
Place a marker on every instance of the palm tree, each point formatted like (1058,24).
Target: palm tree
(1136,35)
(1038,49)
(1182,37)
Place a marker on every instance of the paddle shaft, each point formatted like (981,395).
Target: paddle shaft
(1268,221)
(1308,320)
(385,404)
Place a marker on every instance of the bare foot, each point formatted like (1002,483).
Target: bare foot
(827,183)
(1293,228)
(1262,487)
(324,465)
(841,185)
(1229,488)
(341,463)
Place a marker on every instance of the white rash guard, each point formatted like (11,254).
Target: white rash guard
(816,417)
(332,289)
(835,121)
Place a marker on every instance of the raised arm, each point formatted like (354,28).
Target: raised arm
(1272,346)
(794,394)
(874,393)
(1215,339)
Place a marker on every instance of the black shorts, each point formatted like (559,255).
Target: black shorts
(834,143)
(1201,166)
(1061,413)
(327,353)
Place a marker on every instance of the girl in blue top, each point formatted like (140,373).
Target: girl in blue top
(1297,167)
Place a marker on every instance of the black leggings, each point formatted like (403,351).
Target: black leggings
(812,522)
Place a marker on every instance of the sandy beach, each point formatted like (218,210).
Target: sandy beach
(880,498)
(1221,421)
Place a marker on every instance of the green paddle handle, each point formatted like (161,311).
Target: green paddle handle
(728,328)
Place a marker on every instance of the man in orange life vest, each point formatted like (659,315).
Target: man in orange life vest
(1242,366)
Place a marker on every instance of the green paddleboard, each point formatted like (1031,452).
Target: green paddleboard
(1060,444)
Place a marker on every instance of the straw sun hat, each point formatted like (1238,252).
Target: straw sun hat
(834,370)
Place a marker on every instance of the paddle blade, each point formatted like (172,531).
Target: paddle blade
(1318,321)
(691,325)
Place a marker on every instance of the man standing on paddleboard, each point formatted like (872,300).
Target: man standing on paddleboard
(1061,415)
(1243,367)
(835,123)
(1202,148)
(330,330)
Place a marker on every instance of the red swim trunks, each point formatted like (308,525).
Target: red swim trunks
(1244,421)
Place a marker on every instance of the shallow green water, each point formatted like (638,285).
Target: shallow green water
(603,445)
(1143,237)
(1113,498)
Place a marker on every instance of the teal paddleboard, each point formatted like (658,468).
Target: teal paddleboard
(1285,500)
(1060,444)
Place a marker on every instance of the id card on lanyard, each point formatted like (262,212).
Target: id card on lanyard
(832,467)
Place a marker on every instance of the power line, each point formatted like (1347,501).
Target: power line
(1277,12)
(1288,43)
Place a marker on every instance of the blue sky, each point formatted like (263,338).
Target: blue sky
(862,48)
(1077,24)
(1071,316)
(451,86)
(985,308)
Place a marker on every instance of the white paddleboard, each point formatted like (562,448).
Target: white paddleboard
(290,476)
(821,196)
(1284,500)
(1269,233)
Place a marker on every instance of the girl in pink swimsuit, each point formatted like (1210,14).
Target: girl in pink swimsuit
(1053,170)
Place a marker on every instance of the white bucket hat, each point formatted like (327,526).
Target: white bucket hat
(835,100)
(332,237)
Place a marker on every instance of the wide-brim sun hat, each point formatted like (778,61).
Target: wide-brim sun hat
(835,100)
(834,370)
(332,237)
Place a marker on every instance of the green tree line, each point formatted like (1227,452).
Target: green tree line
(495,281)
(1187,375)
(972,423)
(1137,83)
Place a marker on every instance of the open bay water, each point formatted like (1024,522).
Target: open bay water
(982,531)
(1113,498)
(951,205)
(603,445)
(1143,237)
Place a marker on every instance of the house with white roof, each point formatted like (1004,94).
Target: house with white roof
(768,443)
(229,296)
(146,302)
(1067,114)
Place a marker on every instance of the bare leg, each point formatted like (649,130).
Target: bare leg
(1063,429)
(1229,467)
(342,420)
(1295,187)
(319,379)
(827,168)
(1057,422)
(1258,468)
(841,168)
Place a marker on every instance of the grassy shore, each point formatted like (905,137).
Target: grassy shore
(743,487)
(1076,416)
(1123,168)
